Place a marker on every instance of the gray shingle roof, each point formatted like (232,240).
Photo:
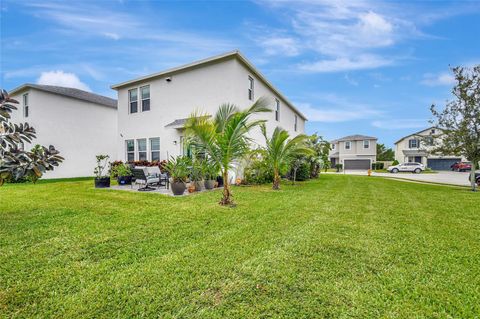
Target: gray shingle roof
(356,137)
(180,122)
(70,92)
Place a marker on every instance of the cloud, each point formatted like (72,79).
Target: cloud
(61,78)
(281,45)
(362,62)
(350,80)
(396,124)
(439,79)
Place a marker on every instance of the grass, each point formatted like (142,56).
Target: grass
(337,247)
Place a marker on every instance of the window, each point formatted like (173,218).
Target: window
(277,110)
(413,143)
(366,144)
(133,98)
(130,146)
(25,105)
(142,149)
(348,145)
(333,147)
(145,94)
(251,85)
(155,149)
(296,122)
(432,131)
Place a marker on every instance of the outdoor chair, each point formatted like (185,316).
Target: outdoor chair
(144,179)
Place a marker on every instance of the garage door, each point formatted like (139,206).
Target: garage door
(356,164)
(441,164)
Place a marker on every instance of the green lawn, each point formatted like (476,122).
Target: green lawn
(337,247)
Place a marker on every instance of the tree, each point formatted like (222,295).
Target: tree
(280,150)
(224,138)
(14,161)
(318,159)
(384,153)
(459,120)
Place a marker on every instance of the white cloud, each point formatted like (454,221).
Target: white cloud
(396,124)
(281,45)
(439,79)
(112,35)
(362,62)
(61,78)
(350,80)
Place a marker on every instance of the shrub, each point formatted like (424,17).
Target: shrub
(257,172)
(395,162)
(303,172)
(378,165)
(338,167)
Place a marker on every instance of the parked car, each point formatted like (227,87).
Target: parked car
(461,166)
(477,178)
(407,167)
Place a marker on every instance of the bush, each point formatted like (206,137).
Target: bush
(378,166)
(338,167)
(257,172)
(395,162)
(303,172)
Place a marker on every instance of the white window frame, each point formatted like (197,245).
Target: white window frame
(129,152)
(367,144)
(130,101)
(295,125)
(152,150)
(410,143)
(277,110)
(251,88)
(333,147)
(144,99)
(145,151)
(26,108)
(349,143)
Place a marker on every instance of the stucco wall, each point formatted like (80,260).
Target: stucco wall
(78,129)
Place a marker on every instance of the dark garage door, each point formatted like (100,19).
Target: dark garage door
(357,164)
(441,164)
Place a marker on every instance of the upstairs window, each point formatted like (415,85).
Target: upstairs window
(130,146)
(145,94)
(348,145)
(251,86)
(333,147)
(366,144)
(142,149)
(296,123)
(277,110)
(25,105)
(155,149)
(133,98)
(413,143)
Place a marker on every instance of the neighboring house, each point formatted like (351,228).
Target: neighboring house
(152,110)
(354,151)
(417,147)
(79,124)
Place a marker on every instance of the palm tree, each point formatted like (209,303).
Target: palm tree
(280,151)
(224,137)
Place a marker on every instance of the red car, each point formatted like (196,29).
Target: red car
(461,166)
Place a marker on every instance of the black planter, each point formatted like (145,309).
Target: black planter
(178,188)
(198,185)
(209,184)
(103,182)
(124,180)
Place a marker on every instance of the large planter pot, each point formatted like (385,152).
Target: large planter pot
(178,188)
(124,180)
(210,184)
(198,185)
(103,182)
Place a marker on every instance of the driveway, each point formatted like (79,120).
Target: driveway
(442,177)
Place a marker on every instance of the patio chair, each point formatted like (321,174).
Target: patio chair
(144,179)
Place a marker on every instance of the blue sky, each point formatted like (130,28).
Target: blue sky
(353,67)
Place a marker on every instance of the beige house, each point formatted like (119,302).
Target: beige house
(417,147)
(354,151)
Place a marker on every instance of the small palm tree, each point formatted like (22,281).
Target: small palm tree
(224,137)
(280,151)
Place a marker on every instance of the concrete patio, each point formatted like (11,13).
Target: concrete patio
(157,190)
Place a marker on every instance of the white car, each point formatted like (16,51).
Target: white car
(407,167)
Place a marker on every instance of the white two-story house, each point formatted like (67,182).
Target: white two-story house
(418,147)
(79,124)
(354,152)
(152,109)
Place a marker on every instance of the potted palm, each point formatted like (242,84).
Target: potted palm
(101,179)
(210,172)
(122,173)
(178,169)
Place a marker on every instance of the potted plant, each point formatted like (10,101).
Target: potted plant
(101,179)
(196,175)
(210,172)
(122,173)
(178,169)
